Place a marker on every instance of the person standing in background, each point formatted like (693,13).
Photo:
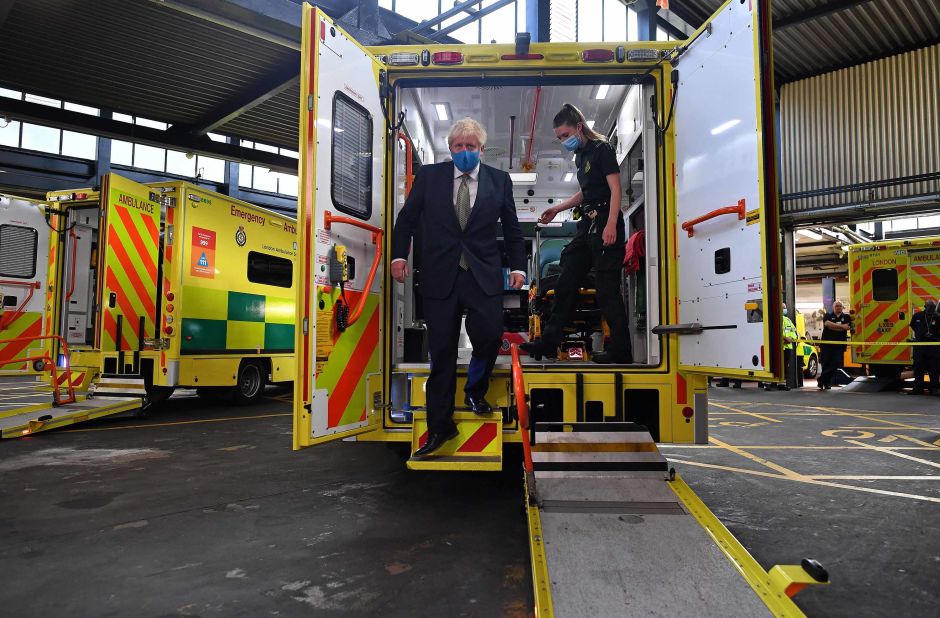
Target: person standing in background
(926,327)
(836,327)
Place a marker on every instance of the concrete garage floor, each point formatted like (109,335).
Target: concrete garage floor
(205,510)
(852,480)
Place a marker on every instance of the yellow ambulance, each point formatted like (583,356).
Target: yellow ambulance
(692,123)
(170,285)
(889,281)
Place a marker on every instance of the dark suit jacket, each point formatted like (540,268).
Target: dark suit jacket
(430,209)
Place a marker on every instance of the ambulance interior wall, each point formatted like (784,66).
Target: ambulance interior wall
(623,119)
(79,283)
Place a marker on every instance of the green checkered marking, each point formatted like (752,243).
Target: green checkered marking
(218,320)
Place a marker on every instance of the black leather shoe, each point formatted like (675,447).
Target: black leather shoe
(435,441)
(538,348)
(479,405)
(605,358)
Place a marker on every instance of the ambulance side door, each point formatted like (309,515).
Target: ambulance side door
(128,265)
(727,246)
(338,391)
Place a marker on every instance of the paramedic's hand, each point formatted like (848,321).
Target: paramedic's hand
(548,215)
(399,270)
(609,236)
(516,281)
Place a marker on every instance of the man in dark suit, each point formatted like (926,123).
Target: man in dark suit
(456,206)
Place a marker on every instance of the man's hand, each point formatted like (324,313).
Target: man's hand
(516,281)
(548,215)
(609,235)
(399,270)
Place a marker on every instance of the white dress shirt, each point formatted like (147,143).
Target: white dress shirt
(472,184)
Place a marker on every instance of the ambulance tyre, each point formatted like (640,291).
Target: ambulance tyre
(155,396)
(249,388)
(891,372)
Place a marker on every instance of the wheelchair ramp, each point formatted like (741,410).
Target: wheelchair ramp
(478,446)
(26,407)
(610,536)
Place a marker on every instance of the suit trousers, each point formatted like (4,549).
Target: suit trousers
(485,329)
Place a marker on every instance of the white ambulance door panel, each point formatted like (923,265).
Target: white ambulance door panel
(727,247)
(24,265)
(338,390)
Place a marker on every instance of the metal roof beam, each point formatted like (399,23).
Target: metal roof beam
(477,15)
(275,21)
(106,127)
(799,17)
(251,97)
(458,8)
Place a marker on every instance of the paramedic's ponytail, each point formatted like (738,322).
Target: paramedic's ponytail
(571,115)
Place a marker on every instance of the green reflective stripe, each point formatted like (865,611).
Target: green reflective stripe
(278,336)
(202,334)
(245,307)
(204,303)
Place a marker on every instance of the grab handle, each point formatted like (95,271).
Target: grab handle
(377,235)
(689,226)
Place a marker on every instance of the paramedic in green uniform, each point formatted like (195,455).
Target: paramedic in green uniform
(790,338)
(598,244)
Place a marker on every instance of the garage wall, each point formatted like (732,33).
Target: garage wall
(873,122)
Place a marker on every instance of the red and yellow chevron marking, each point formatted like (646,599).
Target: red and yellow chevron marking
(78,378)
(472,438)
(925,281)
(28,324)
(879,321)
(355,354)
(130,264)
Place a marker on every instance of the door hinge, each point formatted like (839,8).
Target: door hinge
(306,327)
(310,102)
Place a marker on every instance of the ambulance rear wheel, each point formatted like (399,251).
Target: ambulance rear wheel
(250,385)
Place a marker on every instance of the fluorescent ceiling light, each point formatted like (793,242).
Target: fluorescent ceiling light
(441,109)
(725,126)
(601,92)
(810,234)
(569,176)
(590,124)
(523,178)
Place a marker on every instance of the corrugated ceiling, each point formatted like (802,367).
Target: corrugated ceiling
(861,31)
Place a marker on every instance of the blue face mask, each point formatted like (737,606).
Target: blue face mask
(784,312)
(466,160)
(572,143)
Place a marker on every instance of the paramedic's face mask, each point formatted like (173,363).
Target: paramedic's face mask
(569,136)
(465,152)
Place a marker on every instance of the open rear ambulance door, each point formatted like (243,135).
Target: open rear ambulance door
(128,270)
(339,387)
(725,182)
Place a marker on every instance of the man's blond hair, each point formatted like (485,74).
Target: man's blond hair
(467,126)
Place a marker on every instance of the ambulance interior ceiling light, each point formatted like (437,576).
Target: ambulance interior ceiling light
(724,126)
(601,91)
(590,124)
(569,176)
(523,178)
(442,111)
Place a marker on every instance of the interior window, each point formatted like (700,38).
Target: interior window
(884,284)
(352,157)
(270,269)
(18,246)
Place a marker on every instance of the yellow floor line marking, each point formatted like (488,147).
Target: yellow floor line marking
(754,414)
(831,413)
(812,481)
(871,447)
(832,408)
(872,478)
(755,458)
(868,418)
(205,420)
(933,446)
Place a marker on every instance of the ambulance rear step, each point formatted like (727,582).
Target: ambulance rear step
(120,386)
(478,445)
